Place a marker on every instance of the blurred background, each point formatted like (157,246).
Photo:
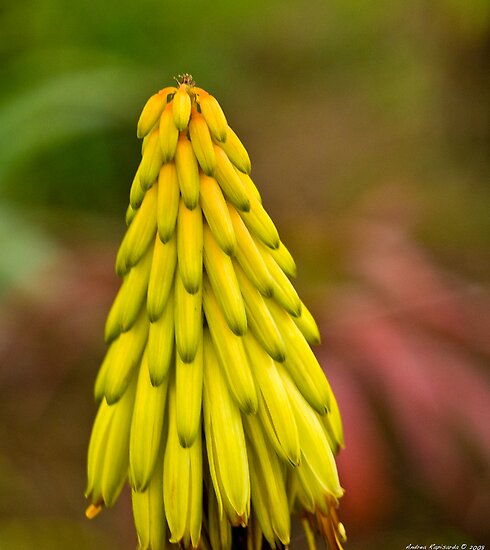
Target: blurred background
(368,125)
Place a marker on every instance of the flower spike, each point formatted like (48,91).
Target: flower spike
(212,404)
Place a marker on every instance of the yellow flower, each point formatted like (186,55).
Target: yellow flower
(212,404)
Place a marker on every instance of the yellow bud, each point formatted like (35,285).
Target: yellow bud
(152,111)
(187,172)
(181,107)
(215,118)
(168,134)
(201,143)
(230,182)
(151,161)
(236,152)
(149,116)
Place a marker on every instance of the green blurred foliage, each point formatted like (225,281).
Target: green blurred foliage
(337,101)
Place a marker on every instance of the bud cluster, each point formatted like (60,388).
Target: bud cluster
(212,404)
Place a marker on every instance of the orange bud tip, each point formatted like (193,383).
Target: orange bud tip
(93,510)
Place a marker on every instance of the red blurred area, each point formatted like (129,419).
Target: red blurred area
(407,349)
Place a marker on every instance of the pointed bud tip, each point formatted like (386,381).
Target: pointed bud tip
(187,440)
(250,407)
(279,356)
(93,510)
